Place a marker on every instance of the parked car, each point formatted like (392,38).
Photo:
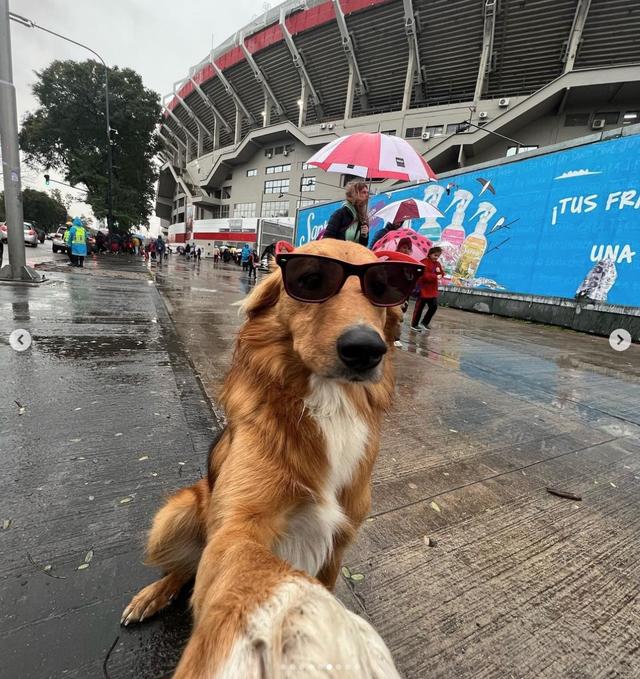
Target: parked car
(57,243)
(30,235)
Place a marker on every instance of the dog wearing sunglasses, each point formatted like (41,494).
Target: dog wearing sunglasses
(288,481)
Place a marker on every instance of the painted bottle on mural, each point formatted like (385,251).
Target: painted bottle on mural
(453,235)
(430,228)
(474,246)
(595,287)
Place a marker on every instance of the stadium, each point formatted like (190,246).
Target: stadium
(520,75)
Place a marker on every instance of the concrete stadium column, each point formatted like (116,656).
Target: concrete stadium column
(302,104)
(351,86)
(237,137)
(266,111)
(216,133)
(408,83)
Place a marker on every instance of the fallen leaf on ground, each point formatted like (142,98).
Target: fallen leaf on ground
(6,524)
(88,556)
(613,485)
(346,571)
(356,577)
(125,500)
(429,542)
(413,486)
(82,566)
(434,505)
(119,433)
(144,457)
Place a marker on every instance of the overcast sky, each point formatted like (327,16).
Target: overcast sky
(160,39)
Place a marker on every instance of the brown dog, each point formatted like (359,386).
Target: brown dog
(288,486)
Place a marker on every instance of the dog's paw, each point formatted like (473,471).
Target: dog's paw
(148,602)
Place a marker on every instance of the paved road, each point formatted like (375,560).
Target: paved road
(37,255)
(488,413)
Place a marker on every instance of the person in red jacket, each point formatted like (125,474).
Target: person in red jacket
(428,284)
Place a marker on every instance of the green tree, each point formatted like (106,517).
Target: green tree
(68,132)
(45,211)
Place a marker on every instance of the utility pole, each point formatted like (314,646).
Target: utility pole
(17,270)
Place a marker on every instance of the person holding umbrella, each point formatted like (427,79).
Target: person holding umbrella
(351,220)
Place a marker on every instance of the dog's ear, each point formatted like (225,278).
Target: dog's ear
(264,295)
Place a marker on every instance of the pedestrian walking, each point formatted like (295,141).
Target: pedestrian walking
(244,257)
(404,246)
(160,247)
(216,255)
(253,263)
(78,242)
(351,220)
(428,284)
(1,252)
(199,254)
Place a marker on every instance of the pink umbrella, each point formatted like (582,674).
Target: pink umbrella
(398,212)
(420,245)
(373,155)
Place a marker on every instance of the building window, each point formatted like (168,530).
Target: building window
(229,177)
(631,118)
(391,132)
(435,130)
(220,211)
(306,166)
(308,184)
(244,210)
(276,186)
(252,173)
(516,150)
(452,128)
(413,132)
(226,192)
(609,117)
(576,120)
(273,169)
(305,202)
(278,150)
(278,208)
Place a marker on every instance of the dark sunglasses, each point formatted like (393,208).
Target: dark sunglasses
(315,279)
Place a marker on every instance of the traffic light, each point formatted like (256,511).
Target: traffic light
(46,180)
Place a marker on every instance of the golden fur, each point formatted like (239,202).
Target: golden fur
(270,463)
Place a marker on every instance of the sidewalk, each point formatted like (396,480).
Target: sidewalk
(113,420)
(488,412)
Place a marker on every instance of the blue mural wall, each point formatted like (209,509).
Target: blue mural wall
(560,224)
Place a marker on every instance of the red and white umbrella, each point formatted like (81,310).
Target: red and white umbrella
(373,155)
(401,210)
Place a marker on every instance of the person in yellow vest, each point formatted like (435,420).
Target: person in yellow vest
(67,242)
(78,242)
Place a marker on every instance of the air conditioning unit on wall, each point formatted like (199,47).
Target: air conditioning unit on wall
(504,102)
(598,124)
(426,136)
(483,115)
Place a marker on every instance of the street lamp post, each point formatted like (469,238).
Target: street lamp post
(18,269)
(32,24)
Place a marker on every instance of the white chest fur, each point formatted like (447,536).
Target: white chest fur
(309,537)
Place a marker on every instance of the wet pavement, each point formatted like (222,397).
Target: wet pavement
(99,420)
(488,413)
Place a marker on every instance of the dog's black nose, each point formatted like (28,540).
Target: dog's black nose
(361,348)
